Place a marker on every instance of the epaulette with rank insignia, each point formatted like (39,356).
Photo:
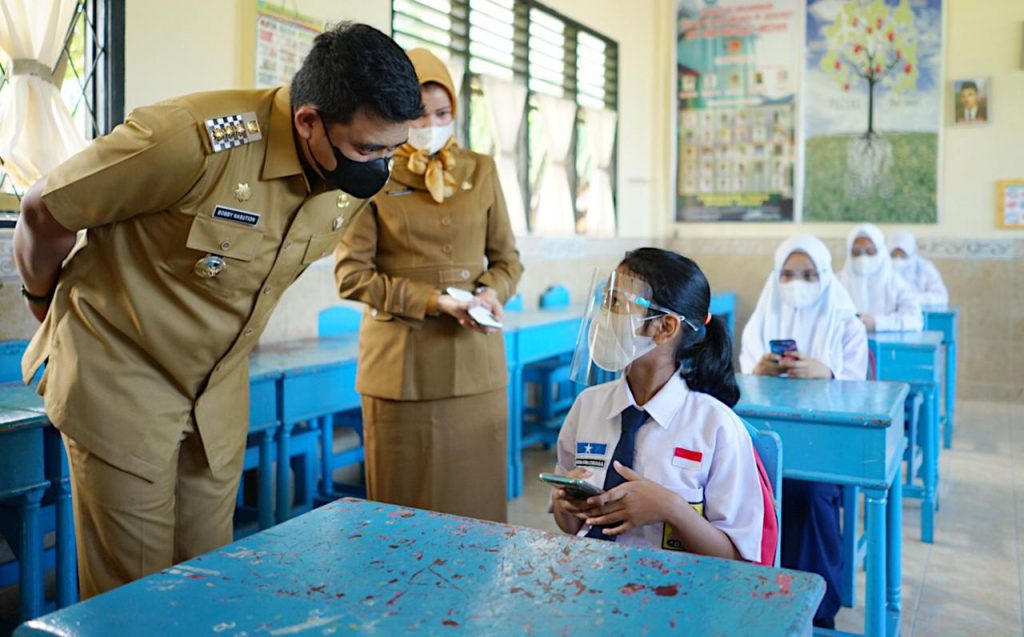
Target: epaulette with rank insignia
(231,131)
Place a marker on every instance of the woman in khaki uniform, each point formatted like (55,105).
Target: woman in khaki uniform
(432,379)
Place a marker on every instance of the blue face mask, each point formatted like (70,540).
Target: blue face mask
(361,179)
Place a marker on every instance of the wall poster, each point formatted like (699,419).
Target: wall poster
(872,114)
(738,67)
(283,38)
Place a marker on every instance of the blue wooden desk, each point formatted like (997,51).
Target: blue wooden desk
(947,321)
(355,566)
(915,358)
(316,378)
(264,424)
(32,460)
(532,336)
(849,433)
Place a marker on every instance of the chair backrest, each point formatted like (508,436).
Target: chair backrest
(10,360)
(515,304)
(768,445)
(339,319)
(555,296)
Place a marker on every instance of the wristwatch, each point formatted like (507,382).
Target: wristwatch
(35,299)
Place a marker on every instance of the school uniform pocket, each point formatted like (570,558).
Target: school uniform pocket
(224,257)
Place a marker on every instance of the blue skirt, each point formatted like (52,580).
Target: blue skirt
(812,539)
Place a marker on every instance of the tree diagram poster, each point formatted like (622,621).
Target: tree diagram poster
(872,116)
(283,38)
(738,65)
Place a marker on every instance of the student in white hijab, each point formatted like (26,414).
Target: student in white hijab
(885,301)
(802,300)
(920,273)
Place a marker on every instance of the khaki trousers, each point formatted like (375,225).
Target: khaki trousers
(127,528)
(448,455)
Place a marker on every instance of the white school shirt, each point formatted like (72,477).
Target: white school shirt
(692,444)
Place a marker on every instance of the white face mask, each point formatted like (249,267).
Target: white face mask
(901,265)
(431,138)
(866,264)
(614,343)
(799,293)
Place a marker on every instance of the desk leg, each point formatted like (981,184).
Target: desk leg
(327,457)
(515,432)
(284,472)
(31,555)
(851,505)
(67,567)
(265,503)
(874,599)
(950,393)
(894,557)
(930,468)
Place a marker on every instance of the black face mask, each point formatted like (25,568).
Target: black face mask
(361,179)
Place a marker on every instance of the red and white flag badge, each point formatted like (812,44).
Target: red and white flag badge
(686,458)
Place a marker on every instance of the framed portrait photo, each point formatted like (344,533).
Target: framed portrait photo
(972,103)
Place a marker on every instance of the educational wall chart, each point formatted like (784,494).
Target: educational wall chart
(737,63)
(283,38)
(872,110)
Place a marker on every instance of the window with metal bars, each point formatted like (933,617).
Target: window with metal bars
(525,42)
(93,75)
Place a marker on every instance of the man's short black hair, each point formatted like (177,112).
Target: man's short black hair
(354,66)
(968,84)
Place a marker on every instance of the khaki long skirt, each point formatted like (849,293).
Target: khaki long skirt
(448,455)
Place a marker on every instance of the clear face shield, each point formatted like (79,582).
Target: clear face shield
(614,331)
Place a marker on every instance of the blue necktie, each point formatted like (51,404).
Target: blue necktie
(632,419)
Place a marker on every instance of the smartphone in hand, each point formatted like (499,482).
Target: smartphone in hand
(575,487)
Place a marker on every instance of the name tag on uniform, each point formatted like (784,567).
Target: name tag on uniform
(686,458)
(591,454)
(238,216)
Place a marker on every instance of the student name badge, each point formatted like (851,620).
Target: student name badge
(591,454)
(245,217)
(686,458)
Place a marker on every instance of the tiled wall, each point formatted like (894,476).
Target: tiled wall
(985,278)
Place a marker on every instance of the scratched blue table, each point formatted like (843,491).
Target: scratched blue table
(32,461)
(848,433)
(915,358)
(355,566)
(947,321)
(313,379)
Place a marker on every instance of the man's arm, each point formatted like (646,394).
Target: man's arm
(40,246)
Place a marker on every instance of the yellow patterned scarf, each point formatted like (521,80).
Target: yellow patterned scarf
(435,169)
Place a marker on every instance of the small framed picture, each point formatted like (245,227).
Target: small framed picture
(972,104)
(1010,203)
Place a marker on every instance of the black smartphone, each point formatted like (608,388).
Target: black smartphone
(577,488)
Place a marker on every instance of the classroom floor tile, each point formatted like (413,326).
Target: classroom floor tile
(969,582)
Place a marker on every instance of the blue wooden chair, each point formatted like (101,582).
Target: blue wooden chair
(550,384)
(335,321)
(769,447)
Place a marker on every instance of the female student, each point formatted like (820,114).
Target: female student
(884,300)
(676,464)
(920,273)
(802,301)
(432,379)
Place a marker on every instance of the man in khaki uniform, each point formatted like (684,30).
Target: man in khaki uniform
(199,212)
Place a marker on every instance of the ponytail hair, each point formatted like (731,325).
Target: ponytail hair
(704,355)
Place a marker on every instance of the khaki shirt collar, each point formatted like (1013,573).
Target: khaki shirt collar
(282,159)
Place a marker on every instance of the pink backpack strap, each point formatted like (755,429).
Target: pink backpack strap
(770,526)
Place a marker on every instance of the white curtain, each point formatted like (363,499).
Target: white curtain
(36,129)
(600,125)
(506,102)
(554,207)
